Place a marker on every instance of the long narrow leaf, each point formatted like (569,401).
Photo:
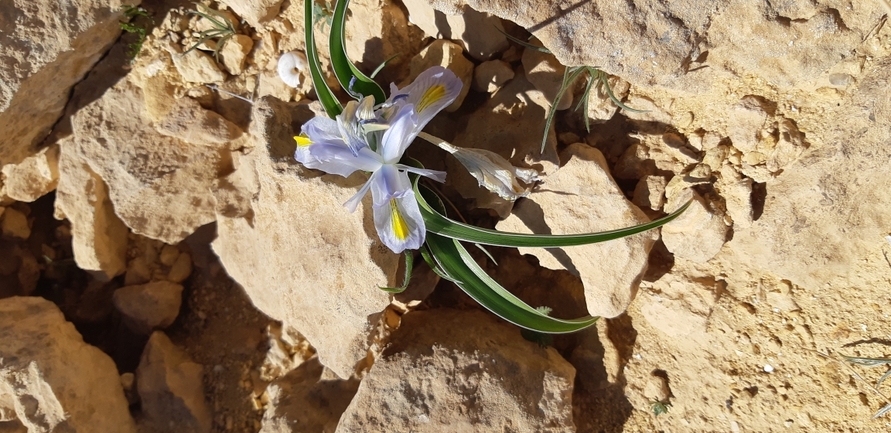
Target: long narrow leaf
(326,97)
(457,263)
(409,260)
(344,69)
(569,76)
(438,223)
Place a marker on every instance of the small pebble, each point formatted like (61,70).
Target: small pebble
(768,368)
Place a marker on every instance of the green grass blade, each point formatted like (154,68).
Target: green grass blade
(569,76)
(380,67)
(409,261)
(867,362)
(882,411)
(344,69)
(523,43)
(428,257)
(440,224)
(604,78)
(326,97)
(451,256)
(882,379)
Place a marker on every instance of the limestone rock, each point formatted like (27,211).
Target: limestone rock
(255,12)
(99,237)
(47,48)
(14,224)
(699,233)
(300,256)
(170,388)
(479,32)
(235,52)
(53,380)
(160,186)
(490,75)
(197,67)
(600,106)
(825,236)
(306,401)
(34,177)
(669,39)
(746,120)
(378,30)
(511,124)
(450,370)
(191,123)
(181,268)
(650,192)
(582,197)
(149,306)
(449,55)
(546,74)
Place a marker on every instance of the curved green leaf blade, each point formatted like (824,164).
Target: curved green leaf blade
(326,97)
(409,261)
(344,69)
(438,223)
(460,267)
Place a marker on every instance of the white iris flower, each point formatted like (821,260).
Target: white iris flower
(373,140)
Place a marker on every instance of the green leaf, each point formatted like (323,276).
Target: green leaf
(409,260)
(326,97)
(522,42)
(604,79)
(380,67)
(569,76)
(438,223)
(344,69)
(460,267)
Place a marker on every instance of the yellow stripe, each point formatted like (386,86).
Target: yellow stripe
(302,140)
(400,228)
(433,94)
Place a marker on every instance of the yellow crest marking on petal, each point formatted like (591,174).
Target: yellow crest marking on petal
(302,140)
(433,94)
(400,228)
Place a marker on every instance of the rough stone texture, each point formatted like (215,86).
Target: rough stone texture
(546,74)
(191,123)
(160,186)
(511,124)
(98,236)
(378,30)
(14,224)
(170,388)
(650,192)
(820,236)
(450,370)
(284,235)
(699,233)
(149,307)
(305,400)
(255,12)
(481,34)
(449,55)
(47,47)
(34,177)
(582,197)
(235,52)
(669,40)
(197,67)
(600,106)
(51,379)
(490,75)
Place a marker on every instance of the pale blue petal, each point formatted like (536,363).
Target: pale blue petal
(436,175)
(399,135)
(434,89)
(399,223)
(354,201)
(322,129)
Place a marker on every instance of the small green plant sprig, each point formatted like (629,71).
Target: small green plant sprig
(597,79)
(442,247)
(222,29)
(129,25)
(660,407)
(874,362)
